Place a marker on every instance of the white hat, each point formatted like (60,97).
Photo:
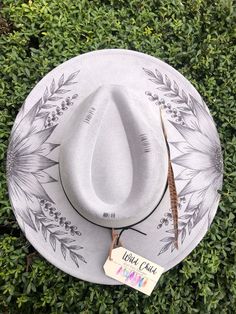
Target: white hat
(89,152)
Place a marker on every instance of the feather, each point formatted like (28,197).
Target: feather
(172,189)
(173,200)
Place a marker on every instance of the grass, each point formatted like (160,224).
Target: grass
(197,37)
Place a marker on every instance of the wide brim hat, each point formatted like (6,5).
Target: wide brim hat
(91,151)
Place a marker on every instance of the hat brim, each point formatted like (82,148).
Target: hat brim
(48,220)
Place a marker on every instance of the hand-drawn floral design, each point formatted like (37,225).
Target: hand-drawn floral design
(27,164)
(200,153)
(54,116)
(164,221)
(57,217)
(52,231)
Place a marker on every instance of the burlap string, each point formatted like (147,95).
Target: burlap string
(115,242)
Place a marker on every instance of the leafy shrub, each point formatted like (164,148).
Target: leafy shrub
(197,37)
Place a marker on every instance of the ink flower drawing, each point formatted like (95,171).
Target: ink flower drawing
(199,155)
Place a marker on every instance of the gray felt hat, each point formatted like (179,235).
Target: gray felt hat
(90,150)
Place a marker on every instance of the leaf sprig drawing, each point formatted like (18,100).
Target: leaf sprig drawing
(170,89)
(47,226)
(51,95)
(186,224)
(56,215)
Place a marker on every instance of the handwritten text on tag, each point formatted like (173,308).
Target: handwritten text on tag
(133,270)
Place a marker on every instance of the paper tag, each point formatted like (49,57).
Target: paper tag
(133,270)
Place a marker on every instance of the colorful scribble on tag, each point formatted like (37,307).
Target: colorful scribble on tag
(132,277)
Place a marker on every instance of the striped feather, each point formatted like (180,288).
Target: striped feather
(172,189)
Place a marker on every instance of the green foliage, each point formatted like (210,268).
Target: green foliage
(197,37)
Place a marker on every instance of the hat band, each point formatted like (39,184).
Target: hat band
(121,227)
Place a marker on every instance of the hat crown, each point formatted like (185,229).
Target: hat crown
(113,164)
